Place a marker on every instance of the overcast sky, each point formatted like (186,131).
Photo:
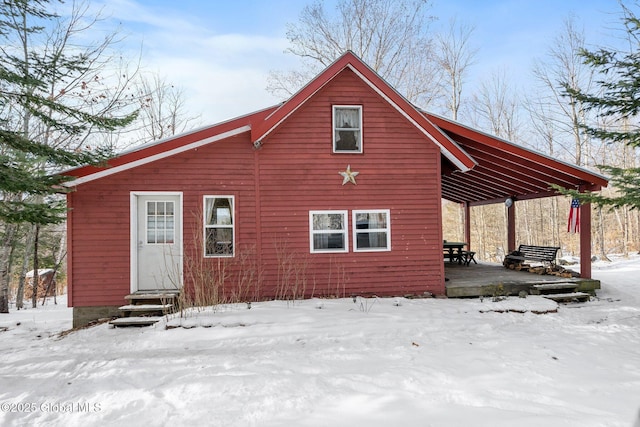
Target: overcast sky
(221,52)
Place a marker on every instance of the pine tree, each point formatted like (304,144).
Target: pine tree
(33,121)
(617,100)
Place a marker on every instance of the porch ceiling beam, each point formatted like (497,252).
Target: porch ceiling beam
(473,186)
(477,185)
(526,168)
(523,171)
(502,179)
(515,187)
(452,197)
(529,196)
(463,192)
(461,133)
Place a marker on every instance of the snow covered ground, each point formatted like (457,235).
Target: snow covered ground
(373,362)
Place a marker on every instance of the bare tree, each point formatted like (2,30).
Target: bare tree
(552,107)
(495,107)
(391,36)
(162,109)
(162,113)
(454,57)
(81,86)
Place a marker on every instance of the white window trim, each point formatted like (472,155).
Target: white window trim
(334,128)
(345,231)
(205,226)
(369,230)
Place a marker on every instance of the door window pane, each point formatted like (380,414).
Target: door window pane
(160,217)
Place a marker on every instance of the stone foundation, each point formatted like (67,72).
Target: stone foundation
(82,316)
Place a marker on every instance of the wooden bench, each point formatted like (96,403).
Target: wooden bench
(467,256)
(544,254)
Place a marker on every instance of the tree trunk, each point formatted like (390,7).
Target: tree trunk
(636,237)
(5,265)
(625,232)
(602,249)
(62,252)
(25,264)
(36,274)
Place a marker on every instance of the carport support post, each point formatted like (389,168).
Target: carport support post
(585,240)
(467,224)
(511,228)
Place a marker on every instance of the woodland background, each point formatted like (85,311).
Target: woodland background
(404,50)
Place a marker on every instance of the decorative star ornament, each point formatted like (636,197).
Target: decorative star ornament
(349,176)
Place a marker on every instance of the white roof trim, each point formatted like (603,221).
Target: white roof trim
(162,155)
(446,152)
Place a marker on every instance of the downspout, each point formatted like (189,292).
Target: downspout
(257,145)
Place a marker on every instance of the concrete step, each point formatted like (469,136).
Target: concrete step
(569,297)
(152,298)
(152,295)
(146,307)
(135,321)
(550,288)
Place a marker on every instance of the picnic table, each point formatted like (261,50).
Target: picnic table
(453,250)
(455,253)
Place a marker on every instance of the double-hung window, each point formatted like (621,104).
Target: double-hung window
(371,230)
(347,129)
(219,228)
(328,231)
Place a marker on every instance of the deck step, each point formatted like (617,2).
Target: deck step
(135,321)
(569,297)
(169,296)
(549,288)
(146,307)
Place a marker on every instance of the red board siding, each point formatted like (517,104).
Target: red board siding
(100,231)
(399,170)
(275,187)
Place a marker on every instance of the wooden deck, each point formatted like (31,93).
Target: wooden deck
(487,279)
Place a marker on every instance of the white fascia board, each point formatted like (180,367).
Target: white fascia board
(159,156)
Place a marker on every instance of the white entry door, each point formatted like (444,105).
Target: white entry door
(158,242)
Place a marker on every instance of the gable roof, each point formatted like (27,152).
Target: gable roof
(452,151)
(477,168)
(263,122)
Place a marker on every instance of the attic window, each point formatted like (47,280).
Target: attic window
(347,129)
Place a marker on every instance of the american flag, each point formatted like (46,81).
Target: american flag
(573,225)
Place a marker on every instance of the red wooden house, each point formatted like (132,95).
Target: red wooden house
(335,192)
